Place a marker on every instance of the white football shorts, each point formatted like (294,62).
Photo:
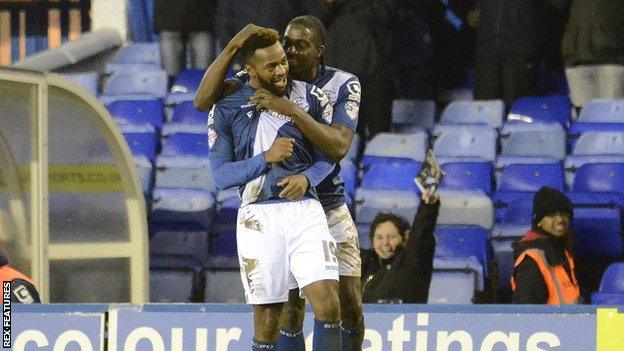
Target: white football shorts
(342,228)
(282,246)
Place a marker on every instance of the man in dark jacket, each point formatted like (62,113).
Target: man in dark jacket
(399,267)
(182,21)
(544,269)
(359,41)
(512,41)
(593,50)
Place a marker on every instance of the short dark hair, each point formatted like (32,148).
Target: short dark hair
(402,225)
(259,40)
(316,27)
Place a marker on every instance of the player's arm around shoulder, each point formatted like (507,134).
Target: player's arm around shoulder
(313,123)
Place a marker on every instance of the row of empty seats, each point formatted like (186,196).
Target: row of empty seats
(493,163)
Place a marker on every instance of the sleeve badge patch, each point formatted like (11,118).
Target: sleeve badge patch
(352,109)
(212,138)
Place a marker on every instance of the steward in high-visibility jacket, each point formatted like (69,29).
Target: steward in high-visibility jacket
(544,270)
(22,288)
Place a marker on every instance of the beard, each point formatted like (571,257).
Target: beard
(270,86)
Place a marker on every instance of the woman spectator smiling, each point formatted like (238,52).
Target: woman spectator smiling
(398,268)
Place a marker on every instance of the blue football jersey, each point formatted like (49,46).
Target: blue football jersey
(344,92)
(239,135)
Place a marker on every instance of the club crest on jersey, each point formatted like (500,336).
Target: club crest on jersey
(352,109)
(355,91)
(212,137)
(302,103)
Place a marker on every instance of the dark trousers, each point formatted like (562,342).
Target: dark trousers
(505,76)
(375,108)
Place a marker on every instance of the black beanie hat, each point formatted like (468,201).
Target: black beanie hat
(547,201)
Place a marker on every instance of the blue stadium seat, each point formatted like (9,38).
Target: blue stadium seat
(174,262)
(391,145)
(178,239)
(223,240)
(228,203)
(370,202)
(467,142)
(170,129)
(185,112)
(467,176)
(187,81)
(137,112)
(612,299)
(613,279)
(171,286)
(392,174)
(109,99)
(543,109)
(184,163)
(89,81)
(363,230)
(224,286)
(531,177)
(504,256)
(534,140)
(600,177)
(144,82)
(488,112)
(139,53)
(602,111)
(413,113)
(464,241)
(454,280)
(129,67)
(352,154)
(503,161)
(183,209)
(145,169)
(513,217)
(348,173)
(141,138)
(599,143)
(174,99)
(599,115)
(597,232)
(574,163)
(465,208)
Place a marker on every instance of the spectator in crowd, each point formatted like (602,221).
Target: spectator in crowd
(398,269)
(512,41)
(544,269)
(183,22)
(359,41)
(593,50)
(22,288)
(233,16)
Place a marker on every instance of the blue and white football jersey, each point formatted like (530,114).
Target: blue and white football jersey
(344,92)
(239,135)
